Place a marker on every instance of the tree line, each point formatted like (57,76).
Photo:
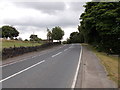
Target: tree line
(11,32)
(99,26)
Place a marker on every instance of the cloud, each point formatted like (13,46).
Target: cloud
(76,6)
(30,17)
(37,16)
(46,7)
(64,18)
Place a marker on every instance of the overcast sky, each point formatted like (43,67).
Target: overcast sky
(36,17)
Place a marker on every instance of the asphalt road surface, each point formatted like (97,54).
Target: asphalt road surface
(54,69)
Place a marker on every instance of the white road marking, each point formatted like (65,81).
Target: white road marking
(14,62)
(56,54)
(70,47)
(64,45)
(22,71)
(22,59)
(17,61)
(77,70)
(65,49)
(34,56)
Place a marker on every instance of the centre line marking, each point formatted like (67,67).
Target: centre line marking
(56,54)
(26,59)
(14,62)
(22,71)
(70,47)
(17,61)
(65,49)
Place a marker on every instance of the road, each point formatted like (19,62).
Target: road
(54,69)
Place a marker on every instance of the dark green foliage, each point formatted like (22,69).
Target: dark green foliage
(57,33)
(26,40)
(64,42)
(100,25)
(75,37)
(9,31)
(15,39)
(34,38)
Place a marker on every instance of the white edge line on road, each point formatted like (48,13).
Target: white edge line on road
(56,54)
(22,71)
(77,70)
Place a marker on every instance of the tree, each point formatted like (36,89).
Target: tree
(81,35)
(20,39)
(26,40)
(9,31)
(64,42)
(75,37)
(34,38)
(57,33)
(49,35)
(100,25)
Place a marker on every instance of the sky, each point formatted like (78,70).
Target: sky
(33,17)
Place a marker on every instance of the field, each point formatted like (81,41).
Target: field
(111,64)
(14,43)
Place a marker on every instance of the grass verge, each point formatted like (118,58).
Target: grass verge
(111,64)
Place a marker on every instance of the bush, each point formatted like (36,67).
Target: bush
(64,42)
(26,39)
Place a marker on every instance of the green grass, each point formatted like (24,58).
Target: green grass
(12,43)
(110,63)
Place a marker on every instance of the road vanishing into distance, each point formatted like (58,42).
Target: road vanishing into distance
(53,69)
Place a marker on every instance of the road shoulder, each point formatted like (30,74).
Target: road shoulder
(92,74)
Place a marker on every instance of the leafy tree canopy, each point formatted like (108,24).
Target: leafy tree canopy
(57,33)
(9,31)
(34,38)
(100,25)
